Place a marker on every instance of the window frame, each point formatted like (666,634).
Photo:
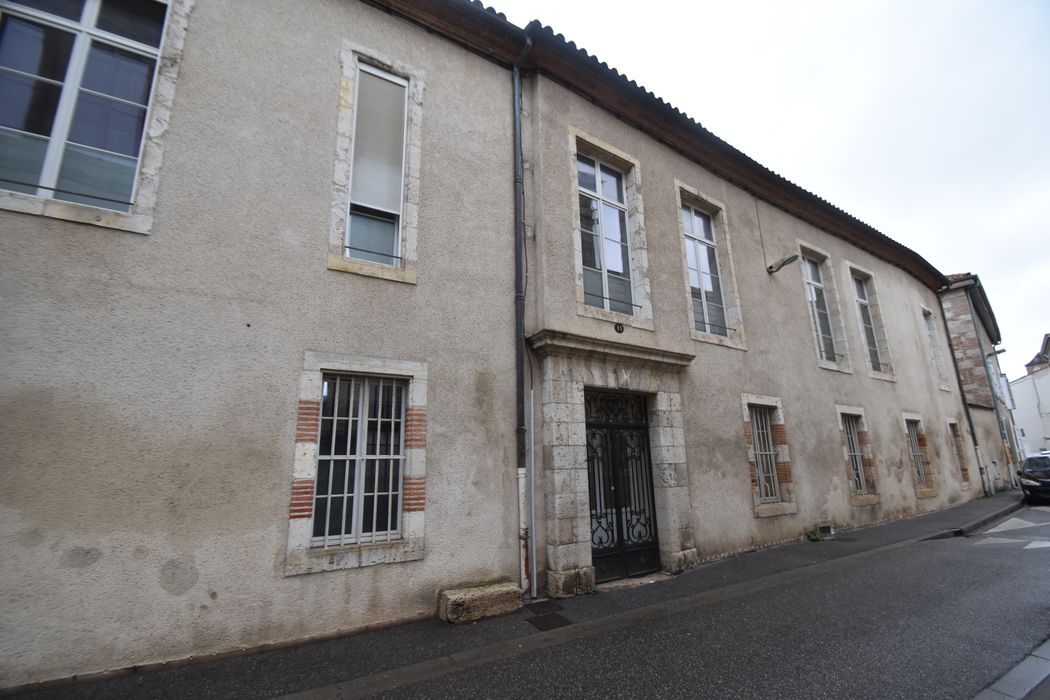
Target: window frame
(925,487)
(355,58)
(955,435)
(167,58)
(764,506)
(840,346)
(886,370)
(763,447)
(936,350)
(858,456)
(601,234)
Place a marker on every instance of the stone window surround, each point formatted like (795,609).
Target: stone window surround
(570,364)
(863,437)
(302,558)
(581,142)
(960,453)
(351,56)
(139,219)
(834,308)
(940,370)
(686,195)
(787,504)
(876,312)
(930,490)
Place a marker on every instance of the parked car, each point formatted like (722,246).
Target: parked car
(1035,478)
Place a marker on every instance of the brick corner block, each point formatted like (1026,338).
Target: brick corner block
(415,493)
(309,421)
(302,499)
(415,427)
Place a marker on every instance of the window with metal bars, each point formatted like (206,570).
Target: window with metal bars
(816,295)
(917,459)
(851,426)
(76,78)
(762,419)
(360,463)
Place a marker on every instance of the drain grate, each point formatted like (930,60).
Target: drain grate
(543,607)
(548,622)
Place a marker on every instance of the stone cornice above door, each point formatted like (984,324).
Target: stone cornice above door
(550,342)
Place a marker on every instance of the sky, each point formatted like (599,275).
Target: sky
(927,119)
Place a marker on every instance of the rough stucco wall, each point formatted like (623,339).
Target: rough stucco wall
(780,359)
(149,395)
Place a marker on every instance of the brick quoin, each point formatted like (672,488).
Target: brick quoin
(779,434)
(863,437)
(302,499)
(842,438)
(414,493)
(415,427)
(747,432)
(309,421)
(784,472)
(754,477)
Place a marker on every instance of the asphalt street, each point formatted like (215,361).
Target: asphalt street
(878,612)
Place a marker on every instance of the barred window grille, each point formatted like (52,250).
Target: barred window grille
(856,459)
(360,463)
(916,453)
(765,453)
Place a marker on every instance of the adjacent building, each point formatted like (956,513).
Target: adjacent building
(306,324)
(1031,414)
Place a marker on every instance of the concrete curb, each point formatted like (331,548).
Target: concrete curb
(1024,678)
(967,529)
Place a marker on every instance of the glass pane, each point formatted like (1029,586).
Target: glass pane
(379,137)
(592,289)
(138,20)
(612,184)
(717,319)
(687,221)
(338,476)
(335,516)
(103,123)
(588,213)
(585,173)
(708,260)
(591,254)
(21,157)
(33,48)
(97,179)
(862,293)
(342,398)
(620,295)
(327,396)
(341,434)
(70,9)
(27,104)
(690,255)
(712,289)
(699,320)
(118,73)
(367,514)
(694,281)
(616,258)
(382,514)
(812,269)
(372,239)
(324,444)
(703,226)
(319,508)
(370,476)
(321,486)
(614,223)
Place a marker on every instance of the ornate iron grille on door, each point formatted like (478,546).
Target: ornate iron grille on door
(620,480)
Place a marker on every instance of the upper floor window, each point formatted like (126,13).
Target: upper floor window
(871,326)
(936,355)
(817,288)
(603,236)
(705,279)
(76,78)
(373,231)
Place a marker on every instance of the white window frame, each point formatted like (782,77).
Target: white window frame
(602,268)
(925,487)
(886,370)
(582,143)
(355,58)
(918,461)
(765,452)
(304,556)
(933,342)
(687,196)
(167,58)
(841,360)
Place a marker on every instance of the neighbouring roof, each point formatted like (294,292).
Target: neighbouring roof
(1043,356)
(960,280)
(487,32)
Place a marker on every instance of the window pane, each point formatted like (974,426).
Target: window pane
(690,254)
(103,123)
(21,157)
(138,20)
(70,9)
(591,255)
(335,516)
(717,319)
(712,289)
(694,281)
(812,268)
(616,258)
(97,179)
(27,104)
(612,184)
(378,143)
(372,239)
(592,289)
(687,221)
(620,294)
(588,213)
(862,293)
(703,226)
(319,513)
(699,318)
(118,73)
(32,48)
(708,260)
(585,174)
(614,223)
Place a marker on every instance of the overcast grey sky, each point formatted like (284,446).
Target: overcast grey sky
(928,119)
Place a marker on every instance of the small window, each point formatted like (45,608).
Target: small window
(957,445)
(360,462)
(373,230)
(76,79)
(762,420)
(915,450)
(936,355)
(705,278)
(852,428)
(603,236)
(871,326)
(817,296)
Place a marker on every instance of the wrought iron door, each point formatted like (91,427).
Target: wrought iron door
(620,480)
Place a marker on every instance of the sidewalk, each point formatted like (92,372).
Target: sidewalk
(375,660)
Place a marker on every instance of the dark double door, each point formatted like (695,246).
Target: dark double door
(620,486)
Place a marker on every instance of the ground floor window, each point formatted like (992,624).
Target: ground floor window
(915,449)
(762,418)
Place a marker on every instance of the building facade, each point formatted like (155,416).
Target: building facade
(260,318)
(1031,416)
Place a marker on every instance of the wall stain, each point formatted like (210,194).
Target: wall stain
(77,557)
(178,575)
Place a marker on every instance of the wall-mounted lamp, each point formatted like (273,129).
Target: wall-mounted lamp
(775,267)
(995,352)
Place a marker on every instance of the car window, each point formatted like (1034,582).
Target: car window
(1037,464)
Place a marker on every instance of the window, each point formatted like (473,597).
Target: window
(76,78)
(871,327)
(817,296)
(360,460)
(915,450)
(762,419)
(705,285)
(957,445)
(603,236)
(377,170)
(936,356)
(852,428)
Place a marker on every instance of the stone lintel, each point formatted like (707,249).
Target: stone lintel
(550,342)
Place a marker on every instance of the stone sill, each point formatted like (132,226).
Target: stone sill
(835,366)
(868,499)
(713,339)
(632,320)
(79,213)
(884,376)
(371,269)
(772,510)
(925,492)
(352,556)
